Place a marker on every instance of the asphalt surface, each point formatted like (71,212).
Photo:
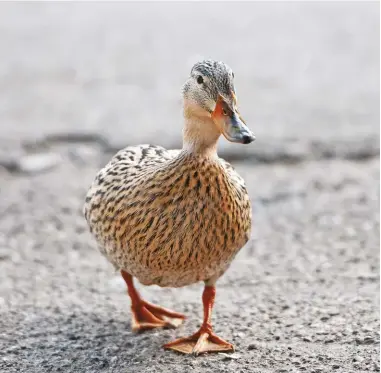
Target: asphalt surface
(78,81)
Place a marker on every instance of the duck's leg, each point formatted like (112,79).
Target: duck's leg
(146,315)
(204,340)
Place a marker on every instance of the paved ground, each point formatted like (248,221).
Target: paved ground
(303,295)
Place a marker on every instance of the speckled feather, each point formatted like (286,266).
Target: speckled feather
(169,217)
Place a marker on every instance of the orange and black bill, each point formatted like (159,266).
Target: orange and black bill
(232,125)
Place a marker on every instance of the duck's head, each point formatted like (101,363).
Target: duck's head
(209,93)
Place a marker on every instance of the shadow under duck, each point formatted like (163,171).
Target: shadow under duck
(176,217)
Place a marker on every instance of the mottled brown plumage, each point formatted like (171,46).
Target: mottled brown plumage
(173,218)
(168,218)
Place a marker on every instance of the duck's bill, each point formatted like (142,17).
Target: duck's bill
(235,130)
(232,125)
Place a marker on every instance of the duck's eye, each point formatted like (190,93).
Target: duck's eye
(200,79)
(224,112)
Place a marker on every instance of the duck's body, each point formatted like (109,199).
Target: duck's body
(169,218)
(172,218)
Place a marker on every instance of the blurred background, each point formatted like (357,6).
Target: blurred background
(78,81)
(304,71)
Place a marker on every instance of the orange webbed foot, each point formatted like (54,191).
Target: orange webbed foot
(146,316)
(202,341)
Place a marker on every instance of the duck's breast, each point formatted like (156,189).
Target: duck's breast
(178,224)
(189,226)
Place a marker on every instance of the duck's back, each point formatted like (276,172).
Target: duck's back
(166,217)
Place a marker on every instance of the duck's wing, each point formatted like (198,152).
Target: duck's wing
(124,170)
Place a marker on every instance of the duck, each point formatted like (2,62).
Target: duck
(173,218)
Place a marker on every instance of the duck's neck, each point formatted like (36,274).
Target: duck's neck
(200,135)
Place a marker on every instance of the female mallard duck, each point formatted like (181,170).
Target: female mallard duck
(173,218)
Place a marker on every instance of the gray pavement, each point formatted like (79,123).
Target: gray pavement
(77,81)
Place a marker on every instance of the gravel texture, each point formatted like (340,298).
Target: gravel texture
(303,295)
